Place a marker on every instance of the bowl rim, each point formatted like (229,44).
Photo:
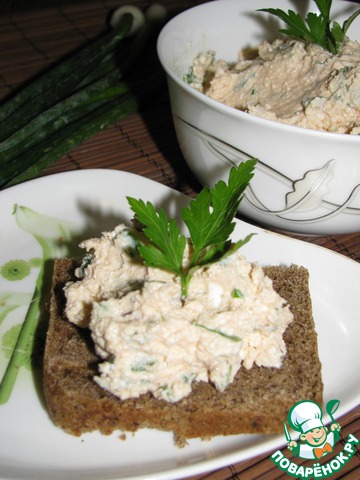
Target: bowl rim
(225,109)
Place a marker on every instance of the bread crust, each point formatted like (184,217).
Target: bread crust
(257,401)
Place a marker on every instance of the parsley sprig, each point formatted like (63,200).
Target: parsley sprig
(209,219)
(317,28)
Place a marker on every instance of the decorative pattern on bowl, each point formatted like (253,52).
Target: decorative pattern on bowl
(304,198)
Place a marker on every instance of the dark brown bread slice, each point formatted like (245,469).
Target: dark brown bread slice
(256,402)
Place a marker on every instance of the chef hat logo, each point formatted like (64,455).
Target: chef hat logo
(305,416)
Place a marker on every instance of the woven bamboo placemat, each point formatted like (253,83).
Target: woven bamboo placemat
(143,143)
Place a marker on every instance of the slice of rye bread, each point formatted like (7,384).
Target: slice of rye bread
(257,401)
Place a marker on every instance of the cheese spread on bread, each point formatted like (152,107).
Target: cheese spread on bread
(152,340)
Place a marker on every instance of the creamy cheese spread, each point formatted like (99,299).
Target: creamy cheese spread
(152,340)
(288,81)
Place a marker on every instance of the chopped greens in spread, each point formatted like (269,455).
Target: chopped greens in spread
(233,338)
(143,366)
(308,78)
(236,293)
(289,81)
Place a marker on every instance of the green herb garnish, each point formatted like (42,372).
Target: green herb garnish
(317,28)
(209,219)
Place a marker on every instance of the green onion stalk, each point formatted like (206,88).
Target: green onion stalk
(86,92)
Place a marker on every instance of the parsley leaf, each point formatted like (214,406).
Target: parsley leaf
(167,246)
(209,219)
(316,28)
(212,227)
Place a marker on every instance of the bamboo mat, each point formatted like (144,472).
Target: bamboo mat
(143,143)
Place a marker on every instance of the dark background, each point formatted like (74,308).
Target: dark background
(8,6)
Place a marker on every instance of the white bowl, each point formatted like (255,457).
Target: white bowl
(306,181)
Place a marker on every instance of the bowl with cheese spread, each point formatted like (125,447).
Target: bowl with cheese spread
(239,89)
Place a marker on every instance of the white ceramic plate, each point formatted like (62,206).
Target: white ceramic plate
(87,202)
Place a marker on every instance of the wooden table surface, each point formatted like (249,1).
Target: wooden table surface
(143,143)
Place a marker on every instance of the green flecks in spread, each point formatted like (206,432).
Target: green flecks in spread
(143,366)
(241,84)
(133,242)
(190,77)
(84,263)
(236,293)
(188,377)
(168,393)
(233,338)
(347,69)
(15,270)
